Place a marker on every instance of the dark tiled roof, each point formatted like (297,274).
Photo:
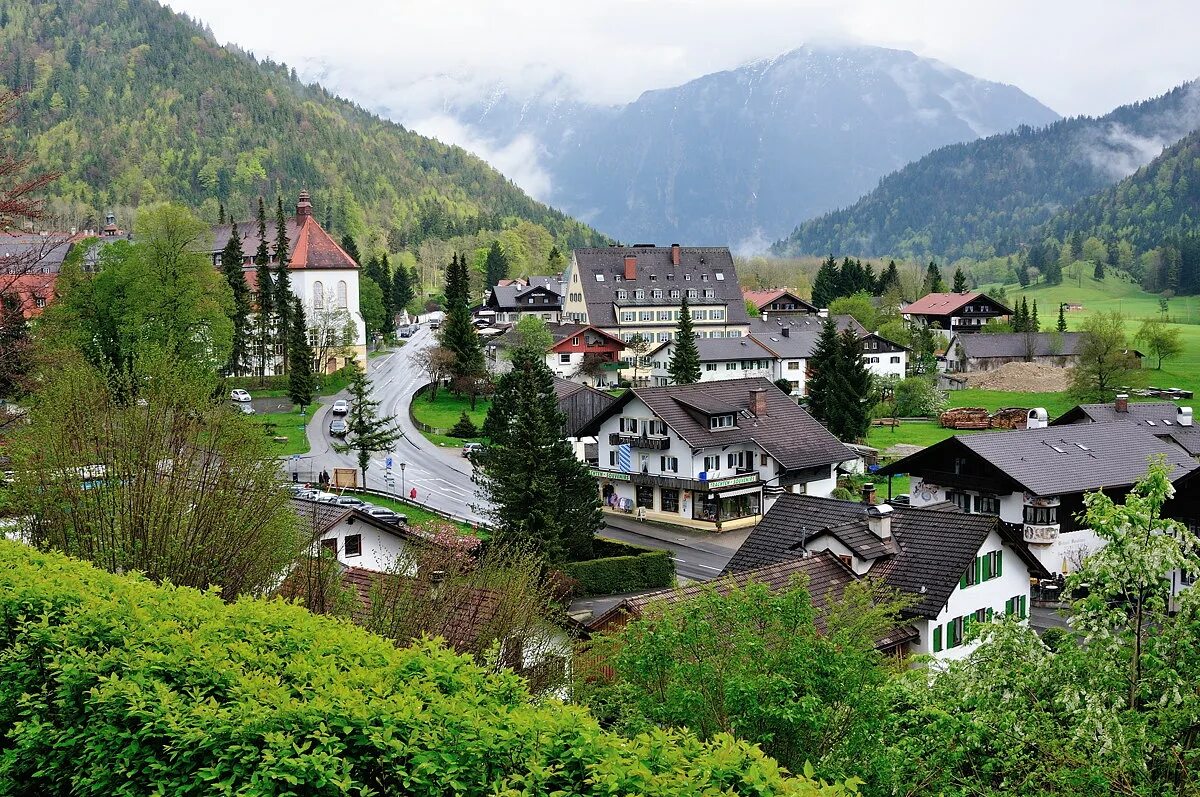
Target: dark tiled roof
(1161,418)
(947,303)
(515,297)
(826,581)
(30,253)
(1060,459)
(727,349)
(787,432)
(318,516)
(761,299)
(580,404)
(1012,344)
(695,261)
(932,547)
(802,333)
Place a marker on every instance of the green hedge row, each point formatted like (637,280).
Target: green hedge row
(110,685)
(614,574)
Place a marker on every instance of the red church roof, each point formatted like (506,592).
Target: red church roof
(309,244)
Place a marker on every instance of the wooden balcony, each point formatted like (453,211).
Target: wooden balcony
(640,441)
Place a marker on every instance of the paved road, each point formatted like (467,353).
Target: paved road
(442,477)
(698,556)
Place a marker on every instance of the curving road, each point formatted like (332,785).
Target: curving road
(441,476)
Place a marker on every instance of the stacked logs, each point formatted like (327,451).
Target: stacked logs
(980,418)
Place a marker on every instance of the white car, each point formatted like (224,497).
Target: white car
(340,407)
(239,395)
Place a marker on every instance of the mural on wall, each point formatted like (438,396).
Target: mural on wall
(925,492)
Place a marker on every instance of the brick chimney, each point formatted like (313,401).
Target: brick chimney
(674,254)
(786,332)
(303,207)
(868,494)
(879,520)
(1122,404)
(630,267)
(758,402)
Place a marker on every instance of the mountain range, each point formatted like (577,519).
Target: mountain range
(737,157)
(133,103)
(992,196)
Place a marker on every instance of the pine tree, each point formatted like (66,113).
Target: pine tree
(1062,319)
(221,214)
(555,262)
(890,277)
(283,284)
(685,359)
(302,382)
(389,304)
(827,283)
(823,386)
(871,281)
(1098,272)
(266,295)
(855,408)
(933,279)
(496,267)
(368,432)
(402,288)
(231,266)
(960,281)
(458,333)
(541,495)
(351,248)
(1034,324)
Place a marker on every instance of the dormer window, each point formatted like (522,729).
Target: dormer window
(639,294)
(720,275)
(599,278)
(704,278)
(657,294)
(721,422)
(708,293)
(674,293)
(621,294)
(691,294)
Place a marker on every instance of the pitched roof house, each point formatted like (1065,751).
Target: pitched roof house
(539,296)
(710,455)
(970,353)
(579,352)
(779,300)
(956,569)
(1163,419)
(956,312)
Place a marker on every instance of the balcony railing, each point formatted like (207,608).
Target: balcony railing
(640,441)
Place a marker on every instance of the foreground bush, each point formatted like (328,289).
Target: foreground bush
(110,685)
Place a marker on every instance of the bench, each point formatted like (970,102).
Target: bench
(279,439)
(885,422)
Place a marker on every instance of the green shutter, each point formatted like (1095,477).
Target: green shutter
(999,563)
(962,582)
(1008,606)
(937,639)
(978,569)
(1024,607)
(990,614)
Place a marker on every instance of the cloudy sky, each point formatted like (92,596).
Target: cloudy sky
(1077,56)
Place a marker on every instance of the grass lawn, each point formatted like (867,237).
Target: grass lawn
(417,514)
(444,413)
(915,433)
(290,425)
(1055,404)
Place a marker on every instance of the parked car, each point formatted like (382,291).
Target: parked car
(471,449)
(340,407)
(239,395)
(338,427)
(435,324)
(387,515)
(352,501)
(324,497)
(245,409)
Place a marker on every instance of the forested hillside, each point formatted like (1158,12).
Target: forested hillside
(133,103)
(985,197)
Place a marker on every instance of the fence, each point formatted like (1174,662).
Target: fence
(424,427)
(409,502)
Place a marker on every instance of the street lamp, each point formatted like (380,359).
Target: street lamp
(402,491)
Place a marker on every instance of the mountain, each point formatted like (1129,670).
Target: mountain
(736,157)
(986,197)
(1156,204)
(133,103)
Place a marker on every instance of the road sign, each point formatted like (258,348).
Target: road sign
(388,463)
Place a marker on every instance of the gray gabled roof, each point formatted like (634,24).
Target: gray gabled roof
(977,345)
(726,349)
(655,271)
(579,403)
(1160,418)
(786,432)
(1058,460)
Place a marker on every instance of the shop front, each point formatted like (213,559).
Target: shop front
(726,500)
(726,504)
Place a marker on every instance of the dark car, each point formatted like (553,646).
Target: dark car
(338,427)
(387,515)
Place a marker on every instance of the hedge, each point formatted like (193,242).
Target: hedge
(111,685)
(613,574)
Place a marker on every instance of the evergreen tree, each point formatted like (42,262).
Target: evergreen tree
(960,281)
(555,262)
(855,415)
(302,382)
(402,288)
(221,213)
(1020,318)
(1098,272)
(264,336)
(824,386)
(685,360)
(1022,276)
(496,267)
(351,248)
(389,303)
(890,277)
(458,333)
(1034,325)
(871,281)
(231,266)
(933,279)
(329,217)
(1062,319)
(283,283)
(541,495)
(827,283)
(851,280)
(368,432)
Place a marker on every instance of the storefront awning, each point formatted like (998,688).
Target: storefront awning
(743,491)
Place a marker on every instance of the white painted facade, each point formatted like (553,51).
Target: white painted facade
(330,299)
(764,366)
(886,363)
(380,546)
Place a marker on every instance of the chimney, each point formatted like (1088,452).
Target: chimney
(868,494)
(786,332)
(758,402)
(303,207)
(879,520)
(630,267)
(1038,419)
(1122,404)
(1183,416)
(674,254)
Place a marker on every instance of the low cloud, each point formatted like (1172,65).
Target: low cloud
(516,160)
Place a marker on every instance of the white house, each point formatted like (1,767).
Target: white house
(579,353)
(720,359)
(354,538)
(712,455)
(958,569)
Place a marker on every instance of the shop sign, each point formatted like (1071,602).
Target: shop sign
(732,481)
(609,474)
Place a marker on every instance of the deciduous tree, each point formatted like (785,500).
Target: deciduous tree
(1104,361)
(1161,339)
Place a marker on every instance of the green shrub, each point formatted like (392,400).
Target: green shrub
(613,574)
(110,685)
(464,428)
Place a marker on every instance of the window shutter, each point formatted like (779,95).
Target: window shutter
(1008,606)
(978,569)
(990,614)
(999,563)
(937,639)
(1024,607)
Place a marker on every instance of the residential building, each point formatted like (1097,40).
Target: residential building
(822,574)
(779,300)
(1035,478)
(512,300)
(323,277)
(713,455)
(579,404)
(1163,419)
(883,357)
(720,358)
(580,353)
(956,312)
(29,267)
(637,290)
(355,538)
(957,569)
(972,353)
